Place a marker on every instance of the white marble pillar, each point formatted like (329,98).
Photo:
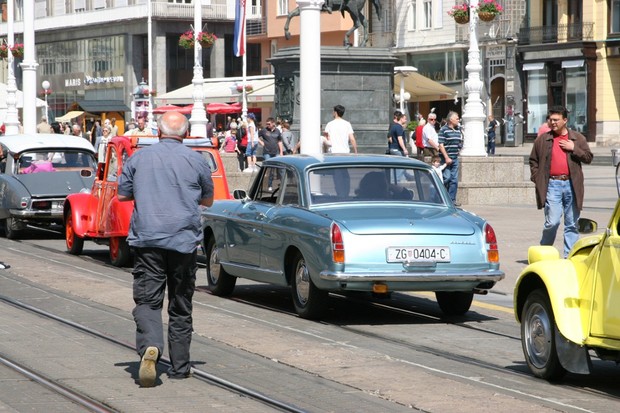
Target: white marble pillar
(151,123)
(310,75)
(12,121)
(29,70)
(198,118)
(473,112)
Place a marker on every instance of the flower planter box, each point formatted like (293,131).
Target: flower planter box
(486,16)
(461,19)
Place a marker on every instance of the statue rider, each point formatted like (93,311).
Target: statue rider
(327,6)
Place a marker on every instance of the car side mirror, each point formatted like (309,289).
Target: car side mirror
(586,226)
(240,194)
(86,173)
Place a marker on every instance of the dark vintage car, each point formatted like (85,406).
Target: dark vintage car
(99,216)
(37,172)
(338,223)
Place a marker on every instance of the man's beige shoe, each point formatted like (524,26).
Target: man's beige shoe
(148,367)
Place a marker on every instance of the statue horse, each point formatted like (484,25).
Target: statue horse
(353,7)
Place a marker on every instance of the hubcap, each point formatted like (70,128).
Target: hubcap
(114,247)
(214,266)
(69,231)
(302,282)
(538,335)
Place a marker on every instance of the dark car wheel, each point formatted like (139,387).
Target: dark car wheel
(310,302)
(538,337)
(119,251)
(75,244)
(219,281)
(11,230)
(454,302)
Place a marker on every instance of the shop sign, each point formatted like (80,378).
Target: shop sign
(93,81)
(73,82)
(102,80)
(496,52)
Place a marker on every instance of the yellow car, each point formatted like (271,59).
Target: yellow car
(567,307)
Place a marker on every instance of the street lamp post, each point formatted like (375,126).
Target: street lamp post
(473,112)
(403,96)
(198,119)
(46,88)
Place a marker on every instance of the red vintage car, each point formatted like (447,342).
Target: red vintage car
(98,215)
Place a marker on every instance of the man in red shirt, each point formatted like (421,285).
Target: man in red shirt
(555,166)
(418,137)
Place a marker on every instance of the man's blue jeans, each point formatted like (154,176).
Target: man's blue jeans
(560,200)
(451,178)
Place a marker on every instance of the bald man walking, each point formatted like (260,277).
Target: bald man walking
(167,182)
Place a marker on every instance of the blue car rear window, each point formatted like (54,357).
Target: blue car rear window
(374,183)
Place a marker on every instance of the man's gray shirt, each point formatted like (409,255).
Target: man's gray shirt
(167,181)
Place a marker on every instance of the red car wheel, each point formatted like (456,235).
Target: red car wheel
(119,251)
(75,244)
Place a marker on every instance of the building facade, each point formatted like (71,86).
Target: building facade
(537,54)
(95,53)
(569,55)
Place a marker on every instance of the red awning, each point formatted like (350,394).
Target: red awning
(223,108)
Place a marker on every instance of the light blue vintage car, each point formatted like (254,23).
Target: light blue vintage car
(340,223)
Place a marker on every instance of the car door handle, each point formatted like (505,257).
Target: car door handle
(260,216)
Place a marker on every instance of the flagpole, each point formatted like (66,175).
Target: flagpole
(244,103)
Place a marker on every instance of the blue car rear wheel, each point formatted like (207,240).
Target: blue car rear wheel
(310,302)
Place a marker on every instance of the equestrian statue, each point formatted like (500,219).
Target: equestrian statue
(353,7)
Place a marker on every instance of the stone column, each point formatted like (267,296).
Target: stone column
(11,122)
(29,69)
(310,75)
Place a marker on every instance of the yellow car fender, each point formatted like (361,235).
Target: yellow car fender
(559,278)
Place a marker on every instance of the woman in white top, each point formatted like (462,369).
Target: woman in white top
(102,142)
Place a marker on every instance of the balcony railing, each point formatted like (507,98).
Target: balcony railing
(573,32)
(499,29)
(57,14)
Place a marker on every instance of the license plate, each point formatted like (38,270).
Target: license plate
(418,254)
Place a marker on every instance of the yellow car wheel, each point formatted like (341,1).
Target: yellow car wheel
(538,334)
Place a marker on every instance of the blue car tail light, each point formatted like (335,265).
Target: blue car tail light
(337,244)
(491,241)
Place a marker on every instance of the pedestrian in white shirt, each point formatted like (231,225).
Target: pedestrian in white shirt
(340,133)
(430,140)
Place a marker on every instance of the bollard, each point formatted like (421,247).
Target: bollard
(615,157)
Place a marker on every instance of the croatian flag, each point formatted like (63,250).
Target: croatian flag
(239,43)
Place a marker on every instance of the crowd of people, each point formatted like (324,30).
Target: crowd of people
(275,138)
(245,137)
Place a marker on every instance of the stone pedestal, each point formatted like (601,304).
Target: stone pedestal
(494,180)
(359,78)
